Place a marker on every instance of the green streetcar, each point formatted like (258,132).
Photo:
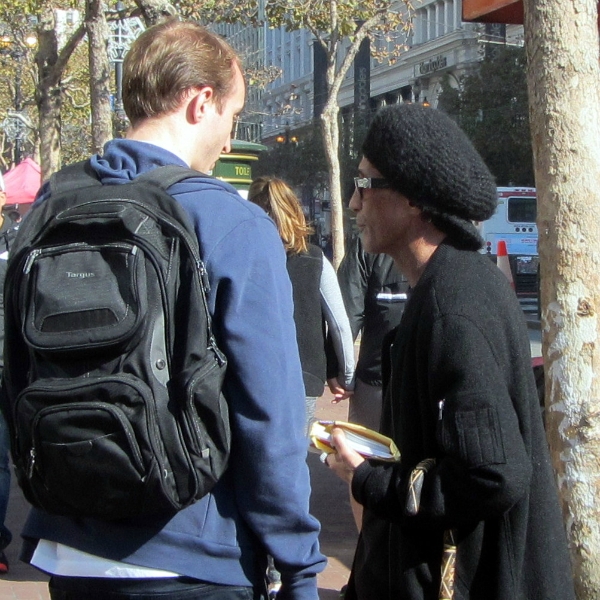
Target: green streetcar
(236,167)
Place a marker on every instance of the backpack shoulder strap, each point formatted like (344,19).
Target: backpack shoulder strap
(164,177)
(73,177)
(81,174)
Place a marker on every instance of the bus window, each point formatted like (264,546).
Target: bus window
(522,210)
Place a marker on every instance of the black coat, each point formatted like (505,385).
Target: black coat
(462,391)
(8,232)
(305,274)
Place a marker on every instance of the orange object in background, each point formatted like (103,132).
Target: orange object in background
(503,262)
(493,11)
(496,11)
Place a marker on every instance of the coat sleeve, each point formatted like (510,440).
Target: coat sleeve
(353,276)
(482,466)
(338,326)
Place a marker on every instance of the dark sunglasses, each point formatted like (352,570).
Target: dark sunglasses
(365,183)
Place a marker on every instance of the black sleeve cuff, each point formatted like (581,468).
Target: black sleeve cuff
(376,485)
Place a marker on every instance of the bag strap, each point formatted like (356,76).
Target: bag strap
(73,177)
(165,176)
(81,174)
(413,503)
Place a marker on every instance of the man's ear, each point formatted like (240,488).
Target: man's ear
(199,101)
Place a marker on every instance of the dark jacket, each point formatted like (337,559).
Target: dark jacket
(8,232)
(462,391)
(305,274)
(374,293)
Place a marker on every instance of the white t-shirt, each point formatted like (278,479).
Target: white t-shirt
(58,559)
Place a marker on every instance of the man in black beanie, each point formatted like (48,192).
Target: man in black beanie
(471,510)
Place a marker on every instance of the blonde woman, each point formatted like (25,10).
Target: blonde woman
(317,295)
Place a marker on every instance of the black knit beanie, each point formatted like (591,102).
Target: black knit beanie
(427,158)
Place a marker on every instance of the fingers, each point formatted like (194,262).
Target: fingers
(349,456)
(338,398)
(338,391)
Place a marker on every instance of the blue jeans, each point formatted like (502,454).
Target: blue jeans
(178,588)
(5,535)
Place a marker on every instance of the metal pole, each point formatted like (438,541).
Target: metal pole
(18,107)
(119,86)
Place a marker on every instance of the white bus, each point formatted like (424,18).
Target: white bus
(515,222)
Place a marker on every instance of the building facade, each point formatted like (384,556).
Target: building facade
(439,46)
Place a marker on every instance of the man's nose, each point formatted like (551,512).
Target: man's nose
(355,202)
(227,146)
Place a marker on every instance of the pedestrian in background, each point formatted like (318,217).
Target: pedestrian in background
(317,296)
(460,402)
(374,293)
(183,88)
(8,231)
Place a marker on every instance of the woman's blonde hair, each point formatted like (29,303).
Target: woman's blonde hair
(278,200)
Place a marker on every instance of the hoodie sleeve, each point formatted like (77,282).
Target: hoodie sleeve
(251,303)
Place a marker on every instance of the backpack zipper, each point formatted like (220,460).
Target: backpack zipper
(31,463)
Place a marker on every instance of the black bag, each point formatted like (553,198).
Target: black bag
(112,375)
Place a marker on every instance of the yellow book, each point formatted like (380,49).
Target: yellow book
(366,442)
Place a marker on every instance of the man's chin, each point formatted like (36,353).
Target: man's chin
(366,242)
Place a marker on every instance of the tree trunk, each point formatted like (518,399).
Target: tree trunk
(153,11)
(48,96)
(97,30)
(564,89)
(331,136)
(51,65)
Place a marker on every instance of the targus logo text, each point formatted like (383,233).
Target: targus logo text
(80,275)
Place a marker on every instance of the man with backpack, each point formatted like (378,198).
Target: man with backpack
(182,90)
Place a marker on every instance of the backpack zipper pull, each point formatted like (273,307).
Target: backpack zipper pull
(441,409)
(203,276)
(30,259)
(31,463)
(218,354)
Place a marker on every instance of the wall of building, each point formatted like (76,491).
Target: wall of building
(439,45)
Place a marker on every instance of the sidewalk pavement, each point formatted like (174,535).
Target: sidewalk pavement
(329,503)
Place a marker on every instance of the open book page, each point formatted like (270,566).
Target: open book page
(366,442)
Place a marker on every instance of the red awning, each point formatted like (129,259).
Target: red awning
(496,11)
(23,182)
(493,11)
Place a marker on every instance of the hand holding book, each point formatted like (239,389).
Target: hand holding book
(366,442)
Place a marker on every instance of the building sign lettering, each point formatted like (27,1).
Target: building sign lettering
(434,64)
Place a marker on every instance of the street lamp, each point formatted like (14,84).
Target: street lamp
(286,138)
(123,31)
(16,123)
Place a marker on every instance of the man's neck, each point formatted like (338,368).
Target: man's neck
(413,259)
(162,134)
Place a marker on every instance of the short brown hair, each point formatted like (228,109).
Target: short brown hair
(169,59)
(278,200)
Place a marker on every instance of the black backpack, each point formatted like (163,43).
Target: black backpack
(112,380)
